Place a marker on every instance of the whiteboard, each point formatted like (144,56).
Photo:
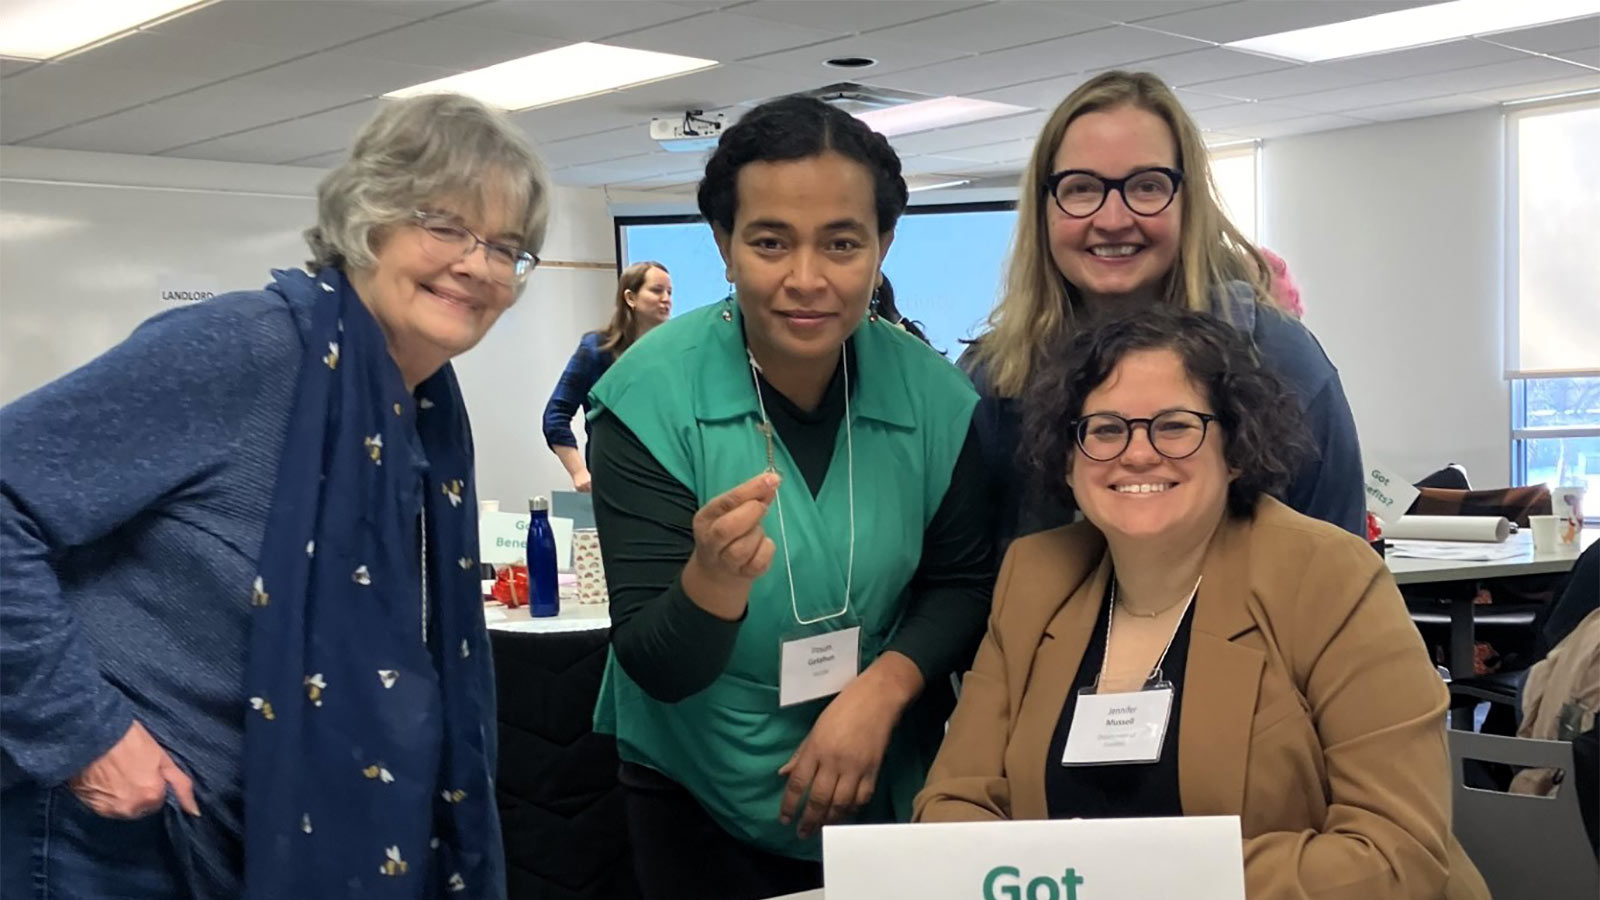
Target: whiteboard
(82,264)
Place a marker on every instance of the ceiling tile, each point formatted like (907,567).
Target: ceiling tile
(617,171)
(295,139)
(158,126)
(892,56)
(1283,83)
(1045,93)
(1586,57)
(710,89)
(322,160)
(617,143)
(1423,60)
(1231,118)
(1114,10)
(303,27)
(1572,35)
(1416,109)
(1354,99)
(1054,58)
(1588,82)
(565,120)
(440,44)
(725,36)
(336,73)
(53,95)
(992,27)
(1208,65)
(1302,125)
(1001,151)
(849,16)
(201,62)
(572,20)
(10,67)
(1254,18)
(925,165)
(1196,100)
(973,135)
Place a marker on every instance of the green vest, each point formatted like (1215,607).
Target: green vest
(686,391)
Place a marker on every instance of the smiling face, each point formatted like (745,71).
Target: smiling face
(803,256)
(1116,255)
(431,303)
(1142,494)
(652,303)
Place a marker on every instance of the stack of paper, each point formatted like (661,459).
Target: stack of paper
(1457,551)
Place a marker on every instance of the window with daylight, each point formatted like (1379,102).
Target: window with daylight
(1553,295)
(1234,171)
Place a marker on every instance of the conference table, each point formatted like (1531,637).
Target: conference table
(1524,561)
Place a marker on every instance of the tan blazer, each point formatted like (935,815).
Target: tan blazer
(1310,709)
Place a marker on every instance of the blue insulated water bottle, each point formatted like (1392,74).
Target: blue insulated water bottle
(544,598)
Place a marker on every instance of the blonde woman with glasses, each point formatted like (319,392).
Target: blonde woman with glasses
(1118,213)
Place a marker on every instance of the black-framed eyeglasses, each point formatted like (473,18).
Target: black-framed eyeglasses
(449,241)
(1175,434)
(1080,193)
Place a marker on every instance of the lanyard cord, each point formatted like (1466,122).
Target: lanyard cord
(1111,614)
(850,475)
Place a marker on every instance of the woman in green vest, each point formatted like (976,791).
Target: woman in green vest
(792,511)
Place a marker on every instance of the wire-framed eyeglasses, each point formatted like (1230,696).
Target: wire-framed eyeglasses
(1175,434)
(1080,193)
(447,240)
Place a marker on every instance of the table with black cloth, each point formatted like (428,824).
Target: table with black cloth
(561,809)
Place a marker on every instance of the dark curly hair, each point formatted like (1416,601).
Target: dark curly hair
(798,127)
(1264,436)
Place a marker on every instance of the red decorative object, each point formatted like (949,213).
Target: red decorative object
(1374,528)
(511,586)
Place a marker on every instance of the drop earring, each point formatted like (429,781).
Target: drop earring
(727,304)
(872,307)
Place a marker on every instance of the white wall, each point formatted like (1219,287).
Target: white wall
(89,240)
(1394,233)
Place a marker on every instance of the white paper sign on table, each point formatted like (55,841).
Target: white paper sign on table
(1201,858)
(1388,494)
(503,539)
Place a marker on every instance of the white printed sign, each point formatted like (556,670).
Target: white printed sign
(1201,858)
(503,539)
(173,289)
(1388,494)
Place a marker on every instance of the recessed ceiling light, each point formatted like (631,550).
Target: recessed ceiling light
(565,73)
(936,113)
(46,29)
(850,62)
(1414,27)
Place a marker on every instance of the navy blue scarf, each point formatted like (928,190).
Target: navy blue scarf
(369,748)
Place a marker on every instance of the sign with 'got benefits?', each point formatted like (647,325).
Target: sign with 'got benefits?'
(1074,859)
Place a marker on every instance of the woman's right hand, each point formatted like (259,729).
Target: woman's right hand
(130,780)
(580,481)
(731,550)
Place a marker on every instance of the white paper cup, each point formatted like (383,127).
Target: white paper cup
(1546,534)
(1567,503)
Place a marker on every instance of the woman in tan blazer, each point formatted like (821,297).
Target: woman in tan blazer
(1300,696)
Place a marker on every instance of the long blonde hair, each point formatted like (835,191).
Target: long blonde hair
(1037,308)
(620,333)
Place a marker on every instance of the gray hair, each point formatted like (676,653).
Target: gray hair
(421,150)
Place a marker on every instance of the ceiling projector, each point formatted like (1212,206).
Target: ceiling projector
(693,131)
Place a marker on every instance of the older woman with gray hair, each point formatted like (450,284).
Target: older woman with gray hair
(244,653)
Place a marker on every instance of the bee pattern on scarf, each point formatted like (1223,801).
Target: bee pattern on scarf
(455,796)
(258,593)
(452,489)
(457,885)
(393,864)
(314,688)
(361,576)
(465,563)
(388,677)
(331,359)
(305,823)
(378,772)
(264,706)
(374,446)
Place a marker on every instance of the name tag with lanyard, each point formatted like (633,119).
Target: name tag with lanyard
(1122,727)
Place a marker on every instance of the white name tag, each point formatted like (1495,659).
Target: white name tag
(1118,728)
(818,665)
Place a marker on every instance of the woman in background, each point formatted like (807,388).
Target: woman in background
(644,300)
(243,642)
(1118,214)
